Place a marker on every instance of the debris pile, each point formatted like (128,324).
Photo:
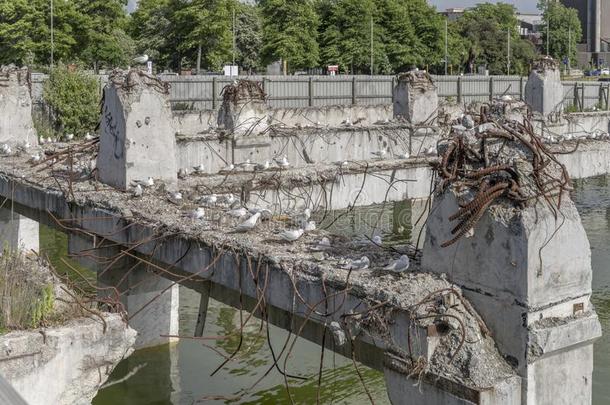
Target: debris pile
(136,79)
(499,159)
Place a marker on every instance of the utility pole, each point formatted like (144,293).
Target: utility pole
(52,38)
(372,48)
(569,50)
(508,52)
(548,29)
(446,44)
(234,42)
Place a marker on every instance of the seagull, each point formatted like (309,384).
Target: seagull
(323,244)
(42,140)
(88,137)
(238,212)
(262,166)
(230,199)
(5,149)
(400,265)
(301,218)
(183,173)
(377,240)
(432,151)
(140,60)
(137,191)
(35,158)
(69,137)
(467,122)
(174,197)
(49,140)
(265,213)
(228,168)
(248,224)
(291,236)
(245,164)
(145,183)
(379,154)
(342,164)
(198,213)
(209,199)
(26,145)
(403,156)
(310,226)
(282,163)
(361,264)
(199,169)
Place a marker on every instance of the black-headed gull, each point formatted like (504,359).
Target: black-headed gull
(360,264)
(209,199)
(399,265)
(137,191)
(291,235)
(248,224)
(198,213)
(282,163)
(199,169)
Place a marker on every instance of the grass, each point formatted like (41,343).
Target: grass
(27,298)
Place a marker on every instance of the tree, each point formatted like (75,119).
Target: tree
(154,33)
(290,32)
(429,30)
(248,38)
(346,39)
(206,31)
(487,28)
(101,38)
(565,29)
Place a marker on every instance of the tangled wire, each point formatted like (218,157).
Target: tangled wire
(500,159)
(243,90)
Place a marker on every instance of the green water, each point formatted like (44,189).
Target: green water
(180,373)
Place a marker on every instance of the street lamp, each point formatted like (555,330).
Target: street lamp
(52,39)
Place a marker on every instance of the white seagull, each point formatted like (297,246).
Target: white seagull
(198,213)
(230,199)
(35,158)
(199,169)
(291,235)
(69,137)
(377,240)
(238,212)
(379,154)
(137,191)
(262,166)
(310,226)
(282,163)
(264,212)
(88,137)
(209,199)
(5,149)
(323,244)
(400,265)
(248,224)
(403,156)
(228,168)
(361,264)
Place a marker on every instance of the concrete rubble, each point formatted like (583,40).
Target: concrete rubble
(68,360)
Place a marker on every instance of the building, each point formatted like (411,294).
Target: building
(453,14)
(594,18)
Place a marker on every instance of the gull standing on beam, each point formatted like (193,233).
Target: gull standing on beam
(379,154)
(249,224)
(361,264)
(400,265)
(282,163)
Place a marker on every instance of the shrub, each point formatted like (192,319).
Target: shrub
(73,97)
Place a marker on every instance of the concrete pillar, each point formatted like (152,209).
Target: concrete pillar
(528,273)
(16,125)
(138,139)
(18,232)
(416,98)
(151,301)
(544,90)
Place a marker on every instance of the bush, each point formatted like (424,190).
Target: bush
(73,97)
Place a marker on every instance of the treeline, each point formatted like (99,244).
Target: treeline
(395,35)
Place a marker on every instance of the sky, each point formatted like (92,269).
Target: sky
(525,6)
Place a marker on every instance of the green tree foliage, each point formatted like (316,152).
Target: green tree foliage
(290,32)
(486,29)
(151,27)
(73,97)
(565,30)
(248,36)
(101,36)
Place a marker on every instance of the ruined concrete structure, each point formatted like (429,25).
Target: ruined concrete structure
(16,124)
(501,316)
(136,124)
(544,91)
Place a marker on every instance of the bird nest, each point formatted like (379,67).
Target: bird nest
(498,161)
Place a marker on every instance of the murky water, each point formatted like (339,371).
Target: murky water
(180,373)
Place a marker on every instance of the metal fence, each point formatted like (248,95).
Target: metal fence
(204,92)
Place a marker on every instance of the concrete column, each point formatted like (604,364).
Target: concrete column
(151,301)
(416,98)
(16,125)
(528,273)
(544,90)
(138,138)
(18,232)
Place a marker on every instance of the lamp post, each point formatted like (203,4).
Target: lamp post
(52,38)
